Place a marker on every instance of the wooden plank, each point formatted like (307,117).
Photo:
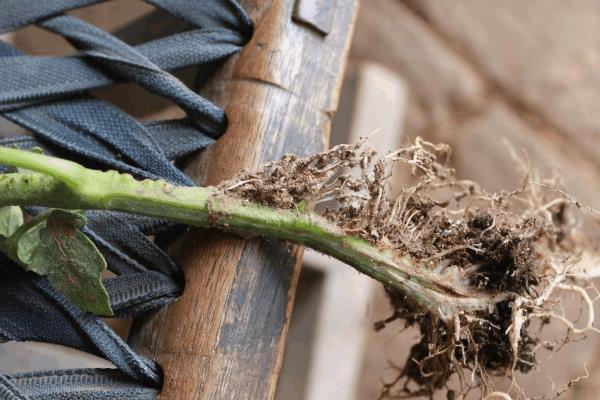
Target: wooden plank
(542,56)
(224,338)
(317,14)
(389,33)
(109,16)
(380,99)
(443,86)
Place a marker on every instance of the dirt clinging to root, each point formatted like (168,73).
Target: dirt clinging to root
(518,247)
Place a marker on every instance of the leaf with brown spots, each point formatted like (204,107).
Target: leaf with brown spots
(71,261)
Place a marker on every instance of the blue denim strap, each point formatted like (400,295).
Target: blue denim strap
(18,13)
(9,391)
(126,62)
(175,138)
(50,97)
(224,28)
(30,309)
(81,384)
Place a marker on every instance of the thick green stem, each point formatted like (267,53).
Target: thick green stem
(64,184)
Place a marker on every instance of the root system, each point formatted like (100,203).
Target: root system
(518,247)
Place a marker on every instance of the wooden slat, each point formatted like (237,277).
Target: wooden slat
(224,338)
(543,59)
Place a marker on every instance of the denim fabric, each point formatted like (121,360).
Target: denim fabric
(31,79)
(80,384)
(19,13)
(175,139)
(32,310)
(50,97)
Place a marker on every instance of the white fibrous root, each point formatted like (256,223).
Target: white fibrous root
(518,249)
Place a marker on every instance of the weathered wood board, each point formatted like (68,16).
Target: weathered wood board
(224,338)
(541,56)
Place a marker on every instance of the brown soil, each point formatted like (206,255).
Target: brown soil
(518,246)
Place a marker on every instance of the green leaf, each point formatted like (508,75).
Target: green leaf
(52,245)
(11,218)
(27,243)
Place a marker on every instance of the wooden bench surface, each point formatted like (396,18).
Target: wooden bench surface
(224,338)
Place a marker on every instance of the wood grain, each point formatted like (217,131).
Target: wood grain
(543,59)
(224,338)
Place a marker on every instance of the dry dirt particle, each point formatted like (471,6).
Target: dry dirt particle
(515,249)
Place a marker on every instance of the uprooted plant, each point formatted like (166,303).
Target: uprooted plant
(473,270)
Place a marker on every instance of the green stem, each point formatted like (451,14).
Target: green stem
(64,184)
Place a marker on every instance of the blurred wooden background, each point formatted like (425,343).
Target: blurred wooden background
(481,72)
(478,73)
